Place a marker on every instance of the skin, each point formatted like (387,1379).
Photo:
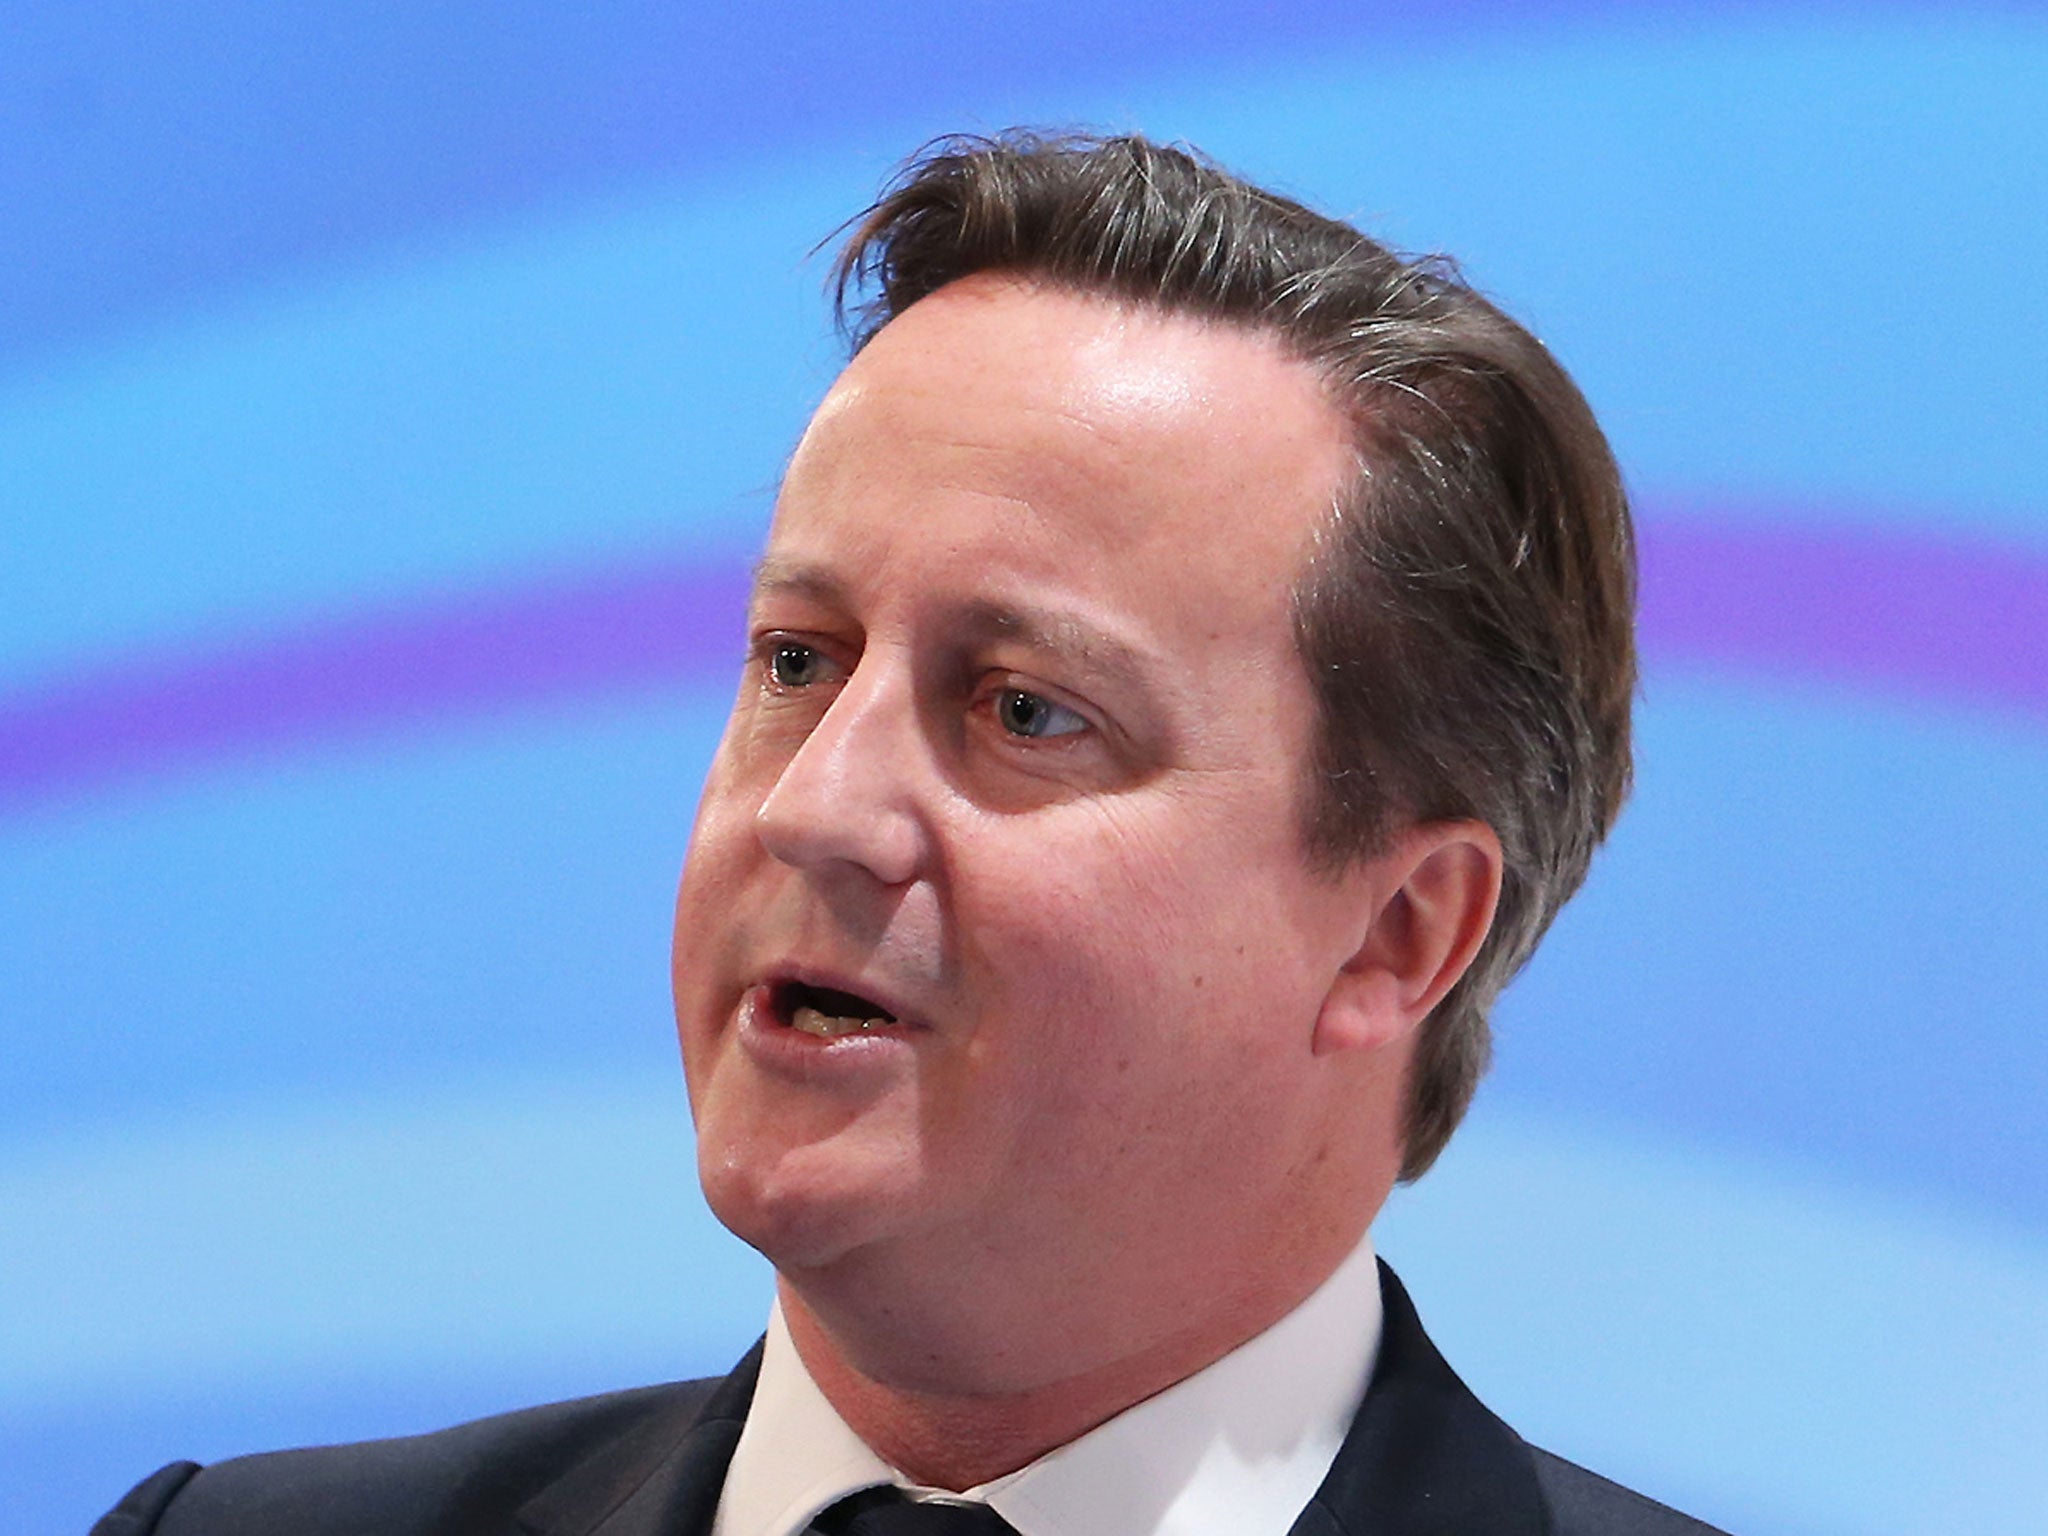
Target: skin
(1017,754)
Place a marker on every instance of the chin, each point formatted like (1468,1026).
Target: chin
(802,1209)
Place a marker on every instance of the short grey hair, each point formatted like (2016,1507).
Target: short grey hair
(1467,619)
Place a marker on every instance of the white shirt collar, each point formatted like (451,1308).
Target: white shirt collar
(1239,1447)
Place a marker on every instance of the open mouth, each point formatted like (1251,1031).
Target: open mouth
(826,1012)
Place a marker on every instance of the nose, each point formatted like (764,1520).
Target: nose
(852,795)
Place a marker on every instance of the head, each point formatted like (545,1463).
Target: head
(1115,810)
(1466,617)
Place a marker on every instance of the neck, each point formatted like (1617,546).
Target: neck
(951,1422)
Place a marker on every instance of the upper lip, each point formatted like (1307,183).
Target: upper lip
(809,975)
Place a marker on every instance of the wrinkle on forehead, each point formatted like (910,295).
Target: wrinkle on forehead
(1128,383)
(1117,407)
(1118,367)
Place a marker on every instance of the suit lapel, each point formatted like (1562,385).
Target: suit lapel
(1424,1457)
(661,1478)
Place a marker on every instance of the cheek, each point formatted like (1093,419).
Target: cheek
(1120,946)
(721,839)
(1138,1013)
(705,935)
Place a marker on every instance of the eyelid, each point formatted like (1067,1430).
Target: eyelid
(1062,714)
(1001,682)
(766,642)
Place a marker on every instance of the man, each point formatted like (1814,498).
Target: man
(1190,667)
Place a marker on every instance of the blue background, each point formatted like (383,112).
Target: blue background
(337,1089)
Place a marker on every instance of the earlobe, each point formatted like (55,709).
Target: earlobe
(1427,902)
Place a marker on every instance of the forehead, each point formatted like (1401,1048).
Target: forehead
(1052,427)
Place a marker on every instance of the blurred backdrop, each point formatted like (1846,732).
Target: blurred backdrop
(390,398)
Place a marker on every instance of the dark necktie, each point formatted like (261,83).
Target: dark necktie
(886,1512)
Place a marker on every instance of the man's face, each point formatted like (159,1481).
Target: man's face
(997,957)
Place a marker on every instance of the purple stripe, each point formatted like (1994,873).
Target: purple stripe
(1849,608)
(492,653)
(1913,615)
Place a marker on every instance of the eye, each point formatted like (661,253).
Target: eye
(792,665)
(1029,714)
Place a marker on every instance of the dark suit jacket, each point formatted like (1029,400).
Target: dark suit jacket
(1423,1458)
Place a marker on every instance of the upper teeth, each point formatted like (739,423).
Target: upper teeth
(827,1025)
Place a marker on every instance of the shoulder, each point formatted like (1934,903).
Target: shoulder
(1583,1503)
(472,1476)
(1426,1456)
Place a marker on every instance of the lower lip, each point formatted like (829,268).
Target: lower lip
(783,1048)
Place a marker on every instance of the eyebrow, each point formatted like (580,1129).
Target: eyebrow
(774,574)
(1058,633)
(1054,631)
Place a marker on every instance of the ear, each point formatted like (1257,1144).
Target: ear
(1426,903)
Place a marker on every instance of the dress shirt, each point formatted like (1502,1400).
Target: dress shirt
(1237,1449)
